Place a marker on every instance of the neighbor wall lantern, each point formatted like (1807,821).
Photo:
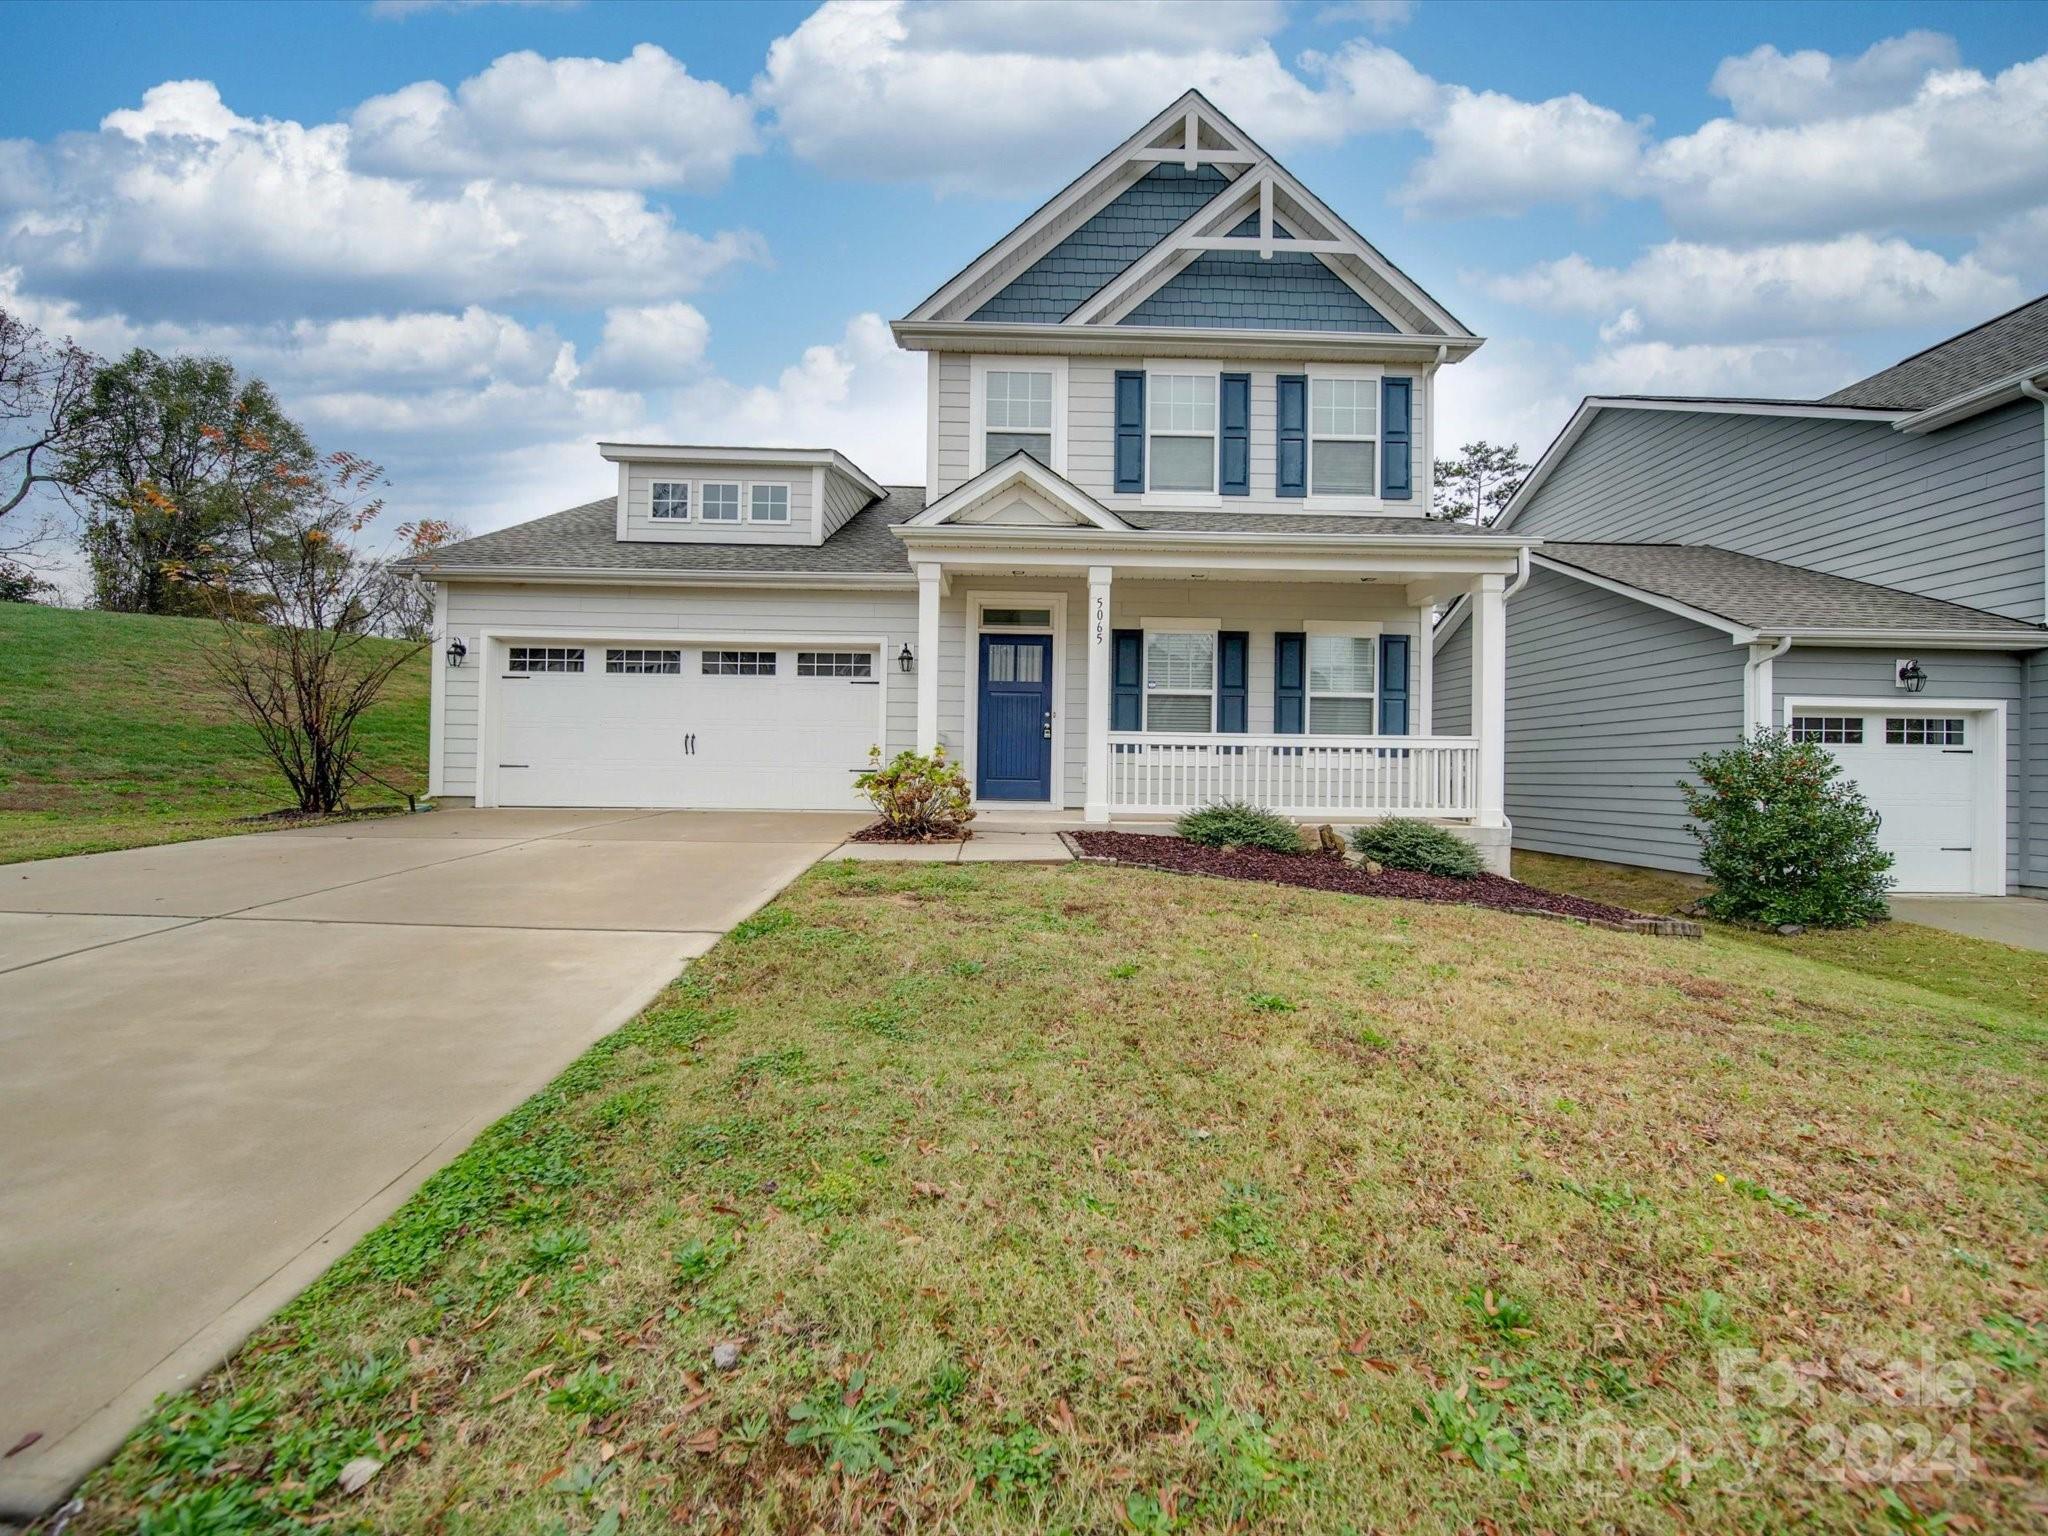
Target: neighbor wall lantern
(1912,676)
(904,660)
(456,651)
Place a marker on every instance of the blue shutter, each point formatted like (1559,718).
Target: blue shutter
(1393,685)
(1236,416)
(1127,680)
(1291,447)
(1397,479)
(1130,433)
(1233,672)
(1290,668)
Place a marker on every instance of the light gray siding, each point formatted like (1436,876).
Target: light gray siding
(843,498)
(1821,672)
(955,385)
(1608,701)
(1956,514)
(509,609)
(1451,679)
(2031,792)
(642,525)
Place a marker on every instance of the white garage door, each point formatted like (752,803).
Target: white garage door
(1919,772)
(750,724)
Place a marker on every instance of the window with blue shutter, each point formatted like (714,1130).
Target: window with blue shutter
(1233,672)
(1397,478)
(1235,412)
(1393,685)
(1127,680)
(1291,444)
(1130,432)
(1290,674)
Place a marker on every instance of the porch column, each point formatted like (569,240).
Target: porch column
(1096,727)
(928,580)
(1490,697)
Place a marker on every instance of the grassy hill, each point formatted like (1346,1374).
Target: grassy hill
(114,734)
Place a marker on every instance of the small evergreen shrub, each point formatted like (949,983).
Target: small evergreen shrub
(1785,838)
(1400,842)
(1239,824)
(916,795)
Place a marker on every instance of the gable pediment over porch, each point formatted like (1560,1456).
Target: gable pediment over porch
(1019,492)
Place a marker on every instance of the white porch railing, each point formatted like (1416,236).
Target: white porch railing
(1335,776)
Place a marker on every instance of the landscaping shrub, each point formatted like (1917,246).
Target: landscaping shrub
(1239,824)
(1403,843)
(1785,837)
(916,795)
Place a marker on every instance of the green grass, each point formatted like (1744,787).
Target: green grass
(1952,964)
(113,734)
(1093,1237)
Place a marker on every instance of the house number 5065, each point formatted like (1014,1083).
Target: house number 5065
(1101,617)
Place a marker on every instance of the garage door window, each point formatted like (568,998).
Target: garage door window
(1830,730)
(739,663)
(643,663)
(547,658)
(1923,731)
(856,664)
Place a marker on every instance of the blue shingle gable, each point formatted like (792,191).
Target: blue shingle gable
(1060,280)
(1241,292)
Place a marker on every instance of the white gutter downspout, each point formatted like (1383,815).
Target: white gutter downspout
(1756,685)
(1521,576)
(2034,392)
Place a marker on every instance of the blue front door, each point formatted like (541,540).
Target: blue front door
(1013,760)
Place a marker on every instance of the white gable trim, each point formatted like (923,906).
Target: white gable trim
(1592,405)
(1127,289)
(1017,470)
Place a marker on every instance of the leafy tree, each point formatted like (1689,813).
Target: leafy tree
(1477,485)
(41,382)
(1785,837)
(19,584)
(304,676)
(179,465)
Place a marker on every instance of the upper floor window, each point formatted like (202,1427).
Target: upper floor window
(671,499)
(1018,415)
(720,501)
(1343,426)
(768,503)
(1181,421)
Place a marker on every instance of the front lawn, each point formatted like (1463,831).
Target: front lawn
(1096,1199)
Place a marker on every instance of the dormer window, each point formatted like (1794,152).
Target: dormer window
(720,501)
(1018,415)
(671,500)
(1343,427)
(768,503)
(1181,411)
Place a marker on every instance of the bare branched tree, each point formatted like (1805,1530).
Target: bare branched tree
(41,384)
(408,604)
(304,676)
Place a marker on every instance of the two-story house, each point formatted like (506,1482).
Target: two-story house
(1865,571)
(1172,547)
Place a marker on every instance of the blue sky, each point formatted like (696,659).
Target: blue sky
(470,239)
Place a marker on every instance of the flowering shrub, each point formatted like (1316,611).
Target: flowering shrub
(1785,837)
(916,795)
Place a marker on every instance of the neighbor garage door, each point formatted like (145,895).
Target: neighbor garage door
(748,724)
(1919,771)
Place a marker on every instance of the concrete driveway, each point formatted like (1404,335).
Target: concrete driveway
(222,1062)
(2021,921)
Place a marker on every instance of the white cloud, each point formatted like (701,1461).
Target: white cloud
(180,206)
(2019,244)
(651,344)
(644,121)
(1491,153)
(1791,370)
(1380,15)
(1766,86)
(1081,29)
(970,102)
(1804,289)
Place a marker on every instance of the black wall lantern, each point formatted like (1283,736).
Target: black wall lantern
(905,662)
(456,651)
(1912,677)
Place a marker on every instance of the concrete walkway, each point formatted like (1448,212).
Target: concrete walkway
(2020,921)
(222,1062)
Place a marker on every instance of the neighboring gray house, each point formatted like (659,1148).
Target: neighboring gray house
(1173,545)
(1865,570)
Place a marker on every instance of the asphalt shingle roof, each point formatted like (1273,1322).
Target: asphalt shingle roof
(1997,349)
(1767,595)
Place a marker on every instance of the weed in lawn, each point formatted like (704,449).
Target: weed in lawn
(193,1437)
(1123,971)
(1467,1425)
(847,1425)
(966,969)
(791,1063)
(228,1511)
(1750,1189)
(589,1393)
(624,1107)
(556,1247)
(1249,1466)
(1709,1317)
(1270,1002)
(1242,1223)
(584,1481)
(946,1385)
(1504,1316)
(697,1260)
(1020,1462)
(1612,1199)
(364,1379)
(1149,1515)
(886,1020)
(2011,1343)
(768,921)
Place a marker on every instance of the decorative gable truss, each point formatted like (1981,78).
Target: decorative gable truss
(1189,223)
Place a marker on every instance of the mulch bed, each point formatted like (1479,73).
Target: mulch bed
(1323,872)
(882,832)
